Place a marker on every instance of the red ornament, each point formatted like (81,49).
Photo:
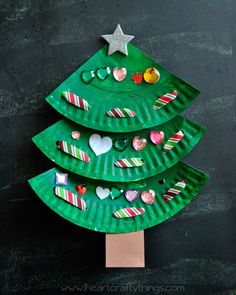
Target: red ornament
(81,189)
(137,78)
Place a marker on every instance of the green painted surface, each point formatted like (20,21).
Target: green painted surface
(102,167)
(103,96)
(99,213)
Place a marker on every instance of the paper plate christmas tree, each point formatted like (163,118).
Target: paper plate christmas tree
(120,146)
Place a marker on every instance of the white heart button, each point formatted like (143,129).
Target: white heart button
(100,145)
(102,193)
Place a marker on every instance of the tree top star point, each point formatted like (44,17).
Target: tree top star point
(118,41)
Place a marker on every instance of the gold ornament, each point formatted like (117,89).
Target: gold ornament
(151,75)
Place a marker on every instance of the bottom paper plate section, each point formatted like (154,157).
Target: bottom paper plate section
(99,213)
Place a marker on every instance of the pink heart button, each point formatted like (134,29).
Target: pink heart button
(139,143)
(156,137)
(119,74)
(148,197)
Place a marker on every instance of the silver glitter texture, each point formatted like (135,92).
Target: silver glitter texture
(118,41)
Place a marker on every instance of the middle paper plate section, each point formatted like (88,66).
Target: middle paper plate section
(105,156)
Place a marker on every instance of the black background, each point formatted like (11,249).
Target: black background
(42,42)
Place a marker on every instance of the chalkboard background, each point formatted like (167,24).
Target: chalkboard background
(42,42)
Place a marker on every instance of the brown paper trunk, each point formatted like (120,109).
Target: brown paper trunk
(125,250)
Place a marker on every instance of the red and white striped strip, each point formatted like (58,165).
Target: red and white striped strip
(76,100)
(165,99)
(70,198)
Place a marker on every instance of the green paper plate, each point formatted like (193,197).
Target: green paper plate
(102,167)
(103,96)
(99,213)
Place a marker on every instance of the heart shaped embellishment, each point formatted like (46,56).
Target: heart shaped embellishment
(115,193)
(148,197)
(103,73)
(81,189)
(100,145)
(87,76)
(121,144)
(119,74)
(102,193)
(137,78)
(131,195)
(139,143)
(156,137)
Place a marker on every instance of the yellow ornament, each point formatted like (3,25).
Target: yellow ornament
(151,75)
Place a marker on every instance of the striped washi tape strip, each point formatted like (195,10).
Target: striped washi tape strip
(70,197)
(73,151)
(174,191)
(128,212)
(121,113)
(165,99)
(129,162)
(76,100)
(172,141)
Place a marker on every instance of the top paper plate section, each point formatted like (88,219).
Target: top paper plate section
(103,96)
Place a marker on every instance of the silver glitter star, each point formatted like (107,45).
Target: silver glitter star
(118,41)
